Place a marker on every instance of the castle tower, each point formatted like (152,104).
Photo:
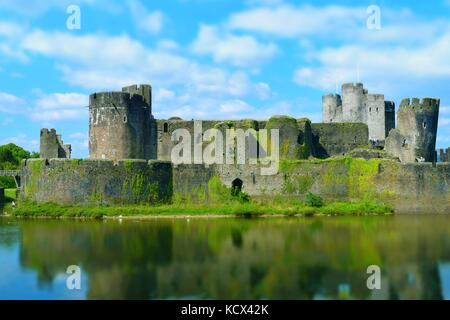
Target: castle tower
(358,106)
(120,124)
(331,108)
(376,118)
(414,140)
(444,155)
(52,145)
(353,98)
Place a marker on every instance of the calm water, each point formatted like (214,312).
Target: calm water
(316,258)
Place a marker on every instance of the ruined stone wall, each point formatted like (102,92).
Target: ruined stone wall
(337,139)
(120,125)
(444,155)
(414,139)
(295,136)
(52,145)
(409,188)
(93,182)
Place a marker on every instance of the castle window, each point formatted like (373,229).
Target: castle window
(377,109)
(424,125)
(125,119)
(166,127)
(370,109)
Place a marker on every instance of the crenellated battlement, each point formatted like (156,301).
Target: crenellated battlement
(352,86)
(119,99)
(143,90)
(375,97)
(52,145)
(416,103)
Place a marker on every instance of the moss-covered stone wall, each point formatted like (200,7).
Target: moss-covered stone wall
(336,139)
(93,182)
(409,188)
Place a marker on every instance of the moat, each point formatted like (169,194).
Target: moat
(289,258)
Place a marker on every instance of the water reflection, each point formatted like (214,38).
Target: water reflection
(320,258)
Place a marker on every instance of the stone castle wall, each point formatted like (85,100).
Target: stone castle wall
(94,182)
(414,139)
(295,136)
(410,188)
(299,138)
(337,139)
(52,146)
(444,155)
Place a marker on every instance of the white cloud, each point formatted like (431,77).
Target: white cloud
(167,44)
(237,50)
(60,106)
(235,106)
(10,29)
(151,22)
(382,66)
(95,49)
(164,94)
(444,110)
(11,104)
(294,21)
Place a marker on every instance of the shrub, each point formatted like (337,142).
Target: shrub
(313,200)
(242,197)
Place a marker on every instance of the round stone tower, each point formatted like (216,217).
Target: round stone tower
(331,108)
(353,108)
(120,124)
(418,121)
(414,139)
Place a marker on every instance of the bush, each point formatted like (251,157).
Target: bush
(242,197)
(10,158)
(313,200)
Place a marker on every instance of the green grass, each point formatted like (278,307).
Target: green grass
(251,209)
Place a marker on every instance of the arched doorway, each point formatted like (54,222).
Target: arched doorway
(236,186)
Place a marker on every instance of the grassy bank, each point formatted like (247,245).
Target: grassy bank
(229,209)
(222,201)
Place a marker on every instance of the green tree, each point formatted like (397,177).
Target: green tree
(11,156)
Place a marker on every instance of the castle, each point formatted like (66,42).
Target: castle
(415,138)
(130,155)
(357,105)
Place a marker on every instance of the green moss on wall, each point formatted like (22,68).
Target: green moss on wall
(341,176)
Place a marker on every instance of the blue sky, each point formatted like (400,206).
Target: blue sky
(213,59)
